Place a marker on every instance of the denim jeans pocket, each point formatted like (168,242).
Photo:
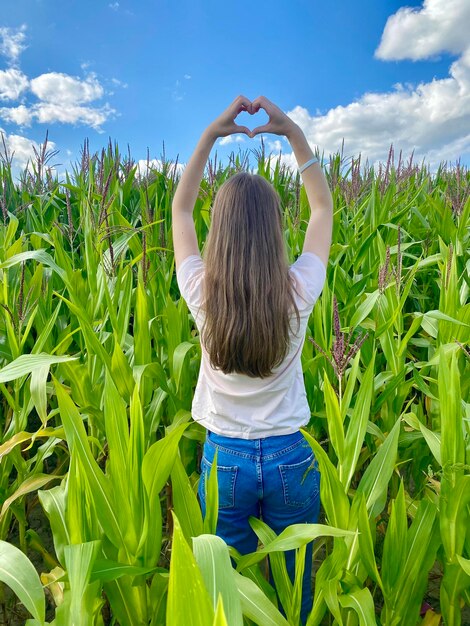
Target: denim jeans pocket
(226,477)
(300,482)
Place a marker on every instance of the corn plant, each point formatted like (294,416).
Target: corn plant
(99,359)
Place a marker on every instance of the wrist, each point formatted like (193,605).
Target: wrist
(294,132)
(210,134)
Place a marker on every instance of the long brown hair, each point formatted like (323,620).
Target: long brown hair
(248,295)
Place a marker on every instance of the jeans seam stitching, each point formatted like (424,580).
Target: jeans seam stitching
(245,455)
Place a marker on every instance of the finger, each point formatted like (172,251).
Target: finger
(265,128)
(261,102)
(241,129)
(241,101)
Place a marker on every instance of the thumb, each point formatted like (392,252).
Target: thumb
(260,129)
(242,129)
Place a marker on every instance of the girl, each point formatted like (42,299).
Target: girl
(252,310)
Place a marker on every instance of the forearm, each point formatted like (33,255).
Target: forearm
(315,183)
(188,187)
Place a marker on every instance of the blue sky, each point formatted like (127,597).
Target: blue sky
(373,73)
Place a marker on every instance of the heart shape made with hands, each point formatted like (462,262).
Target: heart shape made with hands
(253,109)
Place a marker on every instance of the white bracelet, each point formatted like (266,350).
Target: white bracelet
(305,165)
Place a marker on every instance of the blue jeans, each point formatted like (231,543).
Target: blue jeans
(266,478)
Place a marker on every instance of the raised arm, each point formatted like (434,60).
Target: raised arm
(319,230)
(184,233)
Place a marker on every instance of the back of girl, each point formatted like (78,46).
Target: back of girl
(251,310)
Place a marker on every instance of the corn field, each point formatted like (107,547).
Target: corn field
(99,358)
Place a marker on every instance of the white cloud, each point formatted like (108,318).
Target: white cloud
(63,89)
(231,139)
(12,42)
(12,84)
(48,112)
(119,83)
(275,146)
(62,98)
(114,6)
(187,76)
(433,118)
(418,33)
(20,115)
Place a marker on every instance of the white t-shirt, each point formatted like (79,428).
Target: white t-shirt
(236,405)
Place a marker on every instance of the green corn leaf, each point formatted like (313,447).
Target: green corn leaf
(158,461)
(454,515)
(122,372)
(333,414)
(11,229)
(90,256)
(255,605)
(330,570)
(277,563)
(185,503)
(363,310)
(375,480)
(455,583)
(107,570)
(21,437)
(156,467)
(465,564)
(41,256)
(179,358)
(17,571)
(452,441)
(142,353)
(158,598)
(439,315)
(361,602)
(333,497)
(405,598)
(219,617)
(433,440)
(99,486)
(53,501)
(79,560)
(93,342)
(38,391)
(212,499)
(366,545)
(292,537)
(394,550)
(422,545)
(213,559)
(330,593)
(129,607)
(350,385)
(405,585)
(136,451)
(27,363)
(29,485)
(124,305)
(188,603)
(296,604)
(415,325)
(421,384)
(357,426)
(117,434)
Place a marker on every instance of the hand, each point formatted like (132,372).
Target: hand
(225,124)
(279,123)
